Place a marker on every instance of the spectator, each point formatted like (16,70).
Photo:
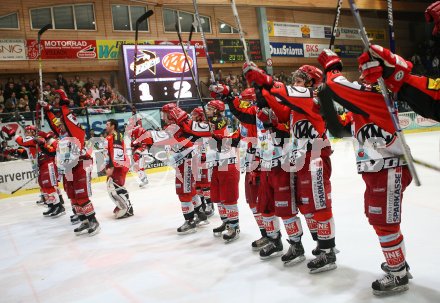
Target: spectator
(23,92)
(11,103)
(61,81)
(94,91)
(9,90)
(78,82)
(21,105)
(72,94)
(27,113)
(2,98)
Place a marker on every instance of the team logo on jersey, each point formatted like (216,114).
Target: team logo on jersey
(175,63)
(72,119)
(304,129)
(369,131)
(145,61)
(434,84)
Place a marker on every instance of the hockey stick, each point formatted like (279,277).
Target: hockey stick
(205,45)
(327,106)
(391,26)
(192,72)
(40,69)
(240,31)
(141,19)
(384,90)
(188,46)
(335,24)
(29,181)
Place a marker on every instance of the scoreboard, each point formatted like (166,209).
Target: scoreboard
(158,73)
(231,50)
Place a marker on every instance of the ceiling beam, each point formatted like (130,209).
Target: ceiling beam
(414,7)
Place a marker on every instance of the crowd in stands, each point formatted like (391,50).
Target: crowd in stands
(18,98)
(426,58)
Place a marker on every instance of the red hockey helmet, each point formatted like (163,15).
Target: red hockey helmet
(313,74)
(197,114)
(248,94)
(168,107)
(30,128)
(217,105)
(177,115)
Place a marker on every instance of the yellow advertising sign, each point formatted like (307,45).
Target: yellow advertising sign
(109,49)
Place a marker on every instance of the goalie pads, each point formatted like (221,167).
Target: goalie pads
(119,195)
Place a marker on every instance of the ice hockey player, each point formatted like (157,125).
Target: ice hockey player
(309,167)
(203,169)
(225,174)
(380,162)
(43,147)
(181,149)
(245,110)
(116,170)
(76,163)
(421,93)
(138,150)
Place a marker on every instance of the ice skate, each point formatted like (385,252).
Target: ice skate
(273,249)
(82,229)
(188,227)
(390,284)
(49,210)
(316,251)
(232,233)
(74,219)
(294,255)
(257,245)
(209,210)
(386,269)
(323,262)
(201,218)
(219,230)
(144,182)
(94,227)
(58,211)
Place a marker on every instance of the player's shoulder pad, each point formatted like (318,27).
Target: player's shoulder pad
(299,92)
(200,127)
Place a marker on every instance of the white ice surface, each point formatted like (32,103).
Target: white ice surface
(142,259)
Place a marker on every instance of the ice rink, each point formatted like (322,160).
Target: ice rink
(142,259)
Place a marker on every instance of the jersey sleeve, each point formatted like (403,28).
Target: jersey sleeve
(298,99)
(72,125)
(423,95)
(195,129)
(244,111)
(360,99)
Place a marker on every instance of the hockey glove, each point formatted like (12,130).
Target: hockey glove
(395,69)
(256,75)
(329,60)
(432,14)
(219,90)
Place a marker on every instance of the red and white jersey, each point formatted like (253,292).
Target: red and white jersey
(115,147)
(377,146)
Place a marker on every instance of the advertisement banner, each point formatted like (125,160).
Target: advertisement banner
(14,174)
(109,49)
(315,31)
(62,49)
(200,50)
(286,49)
(12,49)
(349,51)
(312,50)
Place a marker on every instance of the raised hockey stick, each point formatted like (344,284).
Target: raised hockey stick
(188,46)
(205,45)
(335,24)
(391,26)
(192,73)
(389,103)
(40,70)
(327,106)
(240,31)
(141,19)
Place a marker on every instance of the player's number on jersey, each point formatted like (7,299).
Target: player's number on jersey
(144,88)
(186,89)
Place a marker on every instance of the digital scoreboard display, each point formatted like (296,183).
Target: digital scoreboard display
(158,73)
(231,50)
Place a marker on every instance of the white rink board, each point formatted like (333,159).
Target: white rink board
(141,259)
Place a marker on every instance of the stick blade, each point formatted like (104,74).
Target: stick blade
(145,16)
(44,28)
